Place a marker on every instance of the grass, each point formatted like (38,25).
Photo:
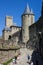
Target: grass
(6,63)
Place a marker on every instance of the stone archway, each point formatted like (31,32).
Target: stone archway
(9,37)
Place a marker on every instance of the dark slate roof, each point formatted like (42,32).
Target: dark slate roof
(28,11)
(15,26)
(7,29)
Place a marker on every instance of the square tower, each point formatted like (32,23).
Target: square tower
(8,21)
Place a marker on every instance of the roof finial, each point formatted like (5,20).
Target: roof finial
(27,4)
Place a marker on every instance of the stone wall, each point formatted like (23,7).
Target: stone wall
(33,38)
(6,34)
(7,54)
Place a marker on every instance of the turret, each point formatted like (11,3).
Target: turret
(27,20)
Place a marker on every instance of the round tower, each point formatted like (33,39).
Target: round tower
(26,22)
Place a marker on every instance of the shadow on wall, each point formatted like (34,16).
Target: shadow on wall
(36,58)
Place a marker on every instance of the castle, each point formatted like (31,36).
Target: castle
(27,34)
(19,33)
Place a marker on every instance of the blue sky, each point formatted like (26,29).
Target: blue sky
(16,8)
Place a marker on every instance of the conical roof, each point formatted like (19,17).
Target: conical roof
(31,11)
(27,10)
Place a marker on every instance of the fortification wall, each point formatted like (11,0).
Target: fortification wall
(7,54)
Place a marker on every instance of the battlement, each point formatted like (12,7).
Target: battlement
(8,21)
(9,17)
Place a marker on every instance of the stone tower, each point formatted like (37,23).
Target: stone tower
(27,20)
(8,21)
